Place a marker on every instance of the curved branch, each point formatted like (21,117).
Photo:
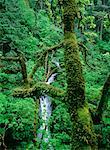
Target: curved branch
(9,58)
(85,51)
(42,57)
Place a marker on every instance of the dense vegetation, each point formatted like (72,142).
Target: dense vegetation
(37,39)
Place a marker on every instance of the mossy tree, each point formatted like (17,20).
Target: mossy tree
(83,136)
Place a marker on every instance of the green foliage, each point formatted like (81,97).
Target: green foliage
(106,127)
(31,30)
(16,117)
(15,25)
(60,126)
(104,47)
(48,32)
(98,59)
(88,20)
(28,14)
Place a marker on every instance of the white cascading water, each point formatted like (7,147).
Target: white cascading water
(45,112)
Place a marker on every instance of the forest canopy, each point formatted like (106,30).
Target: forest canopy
(54,74)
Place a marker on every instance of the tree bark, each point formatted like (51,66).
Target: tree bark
(83,136)
(103,101)
(23,68)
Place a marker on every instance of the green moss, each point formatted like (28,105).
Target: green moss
(37,90)
(82,136)
(75,80)
(49,89)
(84,116)
(70,11)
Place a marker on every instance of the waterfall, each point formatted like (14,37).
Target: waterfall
(45,112)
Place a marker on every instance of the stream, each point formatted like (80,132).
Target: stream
(45,113)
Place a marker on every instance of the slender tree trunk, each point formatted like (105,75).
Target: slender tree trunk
(41,4)
(35,119)
(82,135)
(103,101)
(23,68)
(101,29)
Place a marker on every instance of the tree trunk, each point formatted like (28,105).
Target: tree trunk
(101,29)
(103,102)
(82,135)
(23,67)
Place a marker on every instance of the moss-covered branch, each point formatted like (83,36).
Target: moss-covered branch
(50,90)
(41,59)
(37,90)
(9,58)
(23,68)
